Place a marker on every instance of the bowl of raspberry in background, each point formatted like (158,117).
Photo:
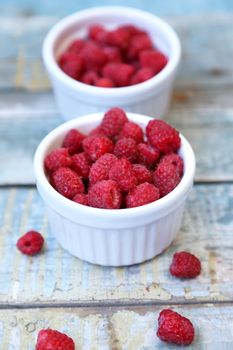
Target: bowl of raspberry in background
(114,227)
(141,83)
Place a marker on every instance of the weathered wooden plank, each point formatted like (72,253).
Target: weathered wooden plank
(56,277)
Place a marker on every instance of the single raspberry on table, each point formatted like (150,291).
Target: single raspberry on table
(166,178)
(90,77)
(105,194)
(93,56)
(126,148)
(142,173)
(142,75)
(97,33)
(122,172)
(113,121)
(73,141)
(132,130)
(56,159)
(104,82)
(81,164)
(175,328)
(30,243)
(81,198)
(185,265)
(153,59)
(147,155)
(174,159)
(113,54)
(49,339)
(119,73)
(163,136)
(142,194)
(71,64)
(76,46)
(67,182)
(139,43)
(100,169)
(96,146)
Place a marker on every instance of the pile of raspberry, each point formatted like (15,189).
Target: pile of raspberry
(116,165)
(113,58)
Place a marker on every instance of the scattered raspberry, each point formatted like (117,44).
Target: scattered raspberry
(67,182)
(98,33)
(139,43)
(119,37)
(104,82)
(56,159)
(49,339)
(89,77)
(96,146)
(142,194)
(126,148)
(81,198)
(113,54)
(76,46)
(119,73)
(105,194)
(175,160)
(93,56)
(132,130)
(113,121)
(174,328)
(122,172)
(142,75)
(100,169)
(163,136)
(71,64)
(142,174)
(166,178)
(185,265)
(81,164)
(73,141)
(31,243)
(153,59)
(147,155)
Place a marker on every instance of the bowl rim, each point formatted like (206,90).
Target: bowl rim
(59,27)
(161,204)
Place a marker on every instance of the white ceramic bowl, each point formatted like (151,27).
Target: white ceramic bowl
(112,237)
(75,98)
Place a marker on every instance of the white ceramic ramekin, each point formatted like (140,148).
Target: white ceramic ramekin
(112,237)
(75,98)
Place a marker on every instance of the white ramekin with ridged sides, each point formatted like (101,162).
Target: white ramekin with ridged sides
(74,98)
(106,236)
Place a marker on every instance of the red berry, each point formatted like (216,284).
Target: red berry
(93,56)
(113,121)
(139,43)
(119,73)
(122,172)
(67,182)
(166,178)
(81,198)
(96,131)
(49,339)
(112,53)
(76,46)
(174,159)
(31,243)
(147,155)
(100,169)
(71,64)
(119,37)
(81,164)
(96,146)
(174,328)
(163,136)
(142,75)
(142,173)
(153,59)
(185,265)
(73,141)
(104,82)
(142,194)
(132,130)
(57,158)
(105,194)
(97,33)
(90,77)
(126,148)
(132,29)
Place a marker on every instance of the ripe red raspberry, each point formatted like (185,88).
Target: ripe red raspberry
(126,148)
(71,64)
(100,169)
(93,56)
(112,53)
(142,173)
(174,159)
(76,46)
(97,33)
(174,328)
(113,121)
(132,130)
(119,37)
(163,136)
(31,243)
(122,172)
(90,77)
(81,164)
(142,75)
(57,158)
(96,146)
(142,194)
(49,339)
(73,141)
(147,155)
(96,131)
(105,194)
(67,182)
(132,29)
(104,82)
(185,265)
(81,198)
(119,73)
(166,178)
(139,43)
(153,59)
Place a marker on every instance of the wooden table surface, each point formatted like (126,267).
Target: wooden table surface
(117,308)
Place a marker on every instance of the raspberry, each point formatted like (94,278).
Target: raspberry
(132,130)
(96,131)
(142,194)
(142,75)
(104,82)
(112,53)
(57,158)
(147,155)
(175,160)
(122,172)
(153,59)
(132,29)
(71,64)
(174,328)
(119,37)
(120,73)
(67,182)
(31,243)
(105,194)
(73,141)
(89,77)
(100,169)
(81,198)
(185,265)
(81,164)
(142,173)
(139,43)
(93,56)
(97,33)
(76,46)
(113,121)
(96,146)
(163,136)
(49,339)
(126,148)
(166,178)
